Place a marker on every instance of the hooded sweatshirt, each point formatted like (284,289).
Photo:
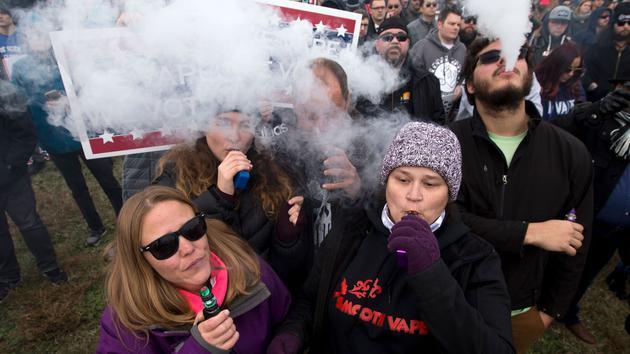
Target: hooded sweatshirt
(446,64)
(588,36)
(544,43)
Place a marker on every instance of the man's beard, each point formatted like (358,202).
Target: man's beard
(395,62)
(623,36)
(506,98)
(467,36)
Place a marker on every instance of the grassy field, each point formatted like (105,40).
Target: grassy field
(40,318)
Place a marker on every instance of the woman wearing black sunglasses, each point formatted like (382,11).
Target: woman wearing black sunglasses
(165,254)
(265,213)
(559,76)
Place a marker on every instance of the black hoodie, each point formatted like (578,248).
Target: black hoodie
(544,43)
(356,300)
(588,36)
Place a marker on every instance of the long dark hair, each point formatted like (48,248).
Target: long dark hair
(549,70)
(196,169)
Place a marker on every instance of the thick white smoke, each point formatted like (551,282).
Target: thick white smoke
(190,59)
(507,20)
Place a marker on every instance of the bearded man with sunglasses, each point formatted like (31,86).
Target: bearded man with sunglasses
(523,181)
(419,92)
(610,57)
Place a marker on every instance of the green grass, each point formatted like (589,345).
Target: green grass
(40,318)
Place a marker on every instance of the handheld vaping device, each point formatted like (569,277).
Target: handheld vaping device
(571,215)
(241,178)
(210,306)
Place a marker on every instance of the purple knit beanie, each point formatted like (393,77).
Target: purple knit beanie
(420,144)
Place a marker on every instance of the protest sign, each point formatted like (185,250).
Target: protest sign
(157,116)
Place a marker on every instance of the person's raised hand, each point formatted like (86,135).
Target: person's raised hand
(233,163)
(346,177)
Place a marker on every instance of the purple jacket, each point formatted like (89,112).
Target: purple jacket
(255,317)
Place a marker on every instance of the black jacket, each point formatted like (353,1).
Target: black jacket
(461,300)
(549,175)
(17,134)
(588,36)
(247,218)
(543,43)
(603,62)
(595,131)
(419,96)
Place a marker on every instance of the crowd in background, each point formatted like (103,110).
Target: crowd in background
(523,194)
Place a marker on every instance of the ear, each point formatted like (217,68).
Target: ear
(470,88)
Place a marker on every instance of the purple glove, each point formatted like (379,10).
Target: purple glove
(284,343)
(414,236)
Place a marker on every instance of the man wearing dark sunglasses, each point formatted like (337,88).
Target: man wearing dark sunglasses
(468,30)
(521,176)
(419,95)
(420,27)
(610,56)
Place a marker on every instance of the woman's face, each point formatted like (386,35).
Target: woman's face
(585,7)
(567,75)
(229,131)
(604,19)
(416,190)
(189,268)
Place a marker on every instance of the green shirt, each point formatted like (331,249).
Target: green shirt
(507,144)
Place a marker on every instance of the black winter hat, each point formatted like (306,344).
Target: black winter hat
(392,22)
(621,13)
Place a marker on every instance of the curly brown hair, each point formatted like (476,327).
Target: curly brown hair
(196,167)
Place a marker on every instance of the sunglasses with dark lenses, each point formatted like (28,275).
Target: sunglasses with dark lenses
(577,72)
(472,20)
(388,37)
(603,17)
(392,6)
(622,23)
(430,4)
(493,56)
(166,246)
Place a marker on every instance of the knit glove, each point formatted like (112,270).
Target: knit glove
(615,101)
(414,236)
(284,343)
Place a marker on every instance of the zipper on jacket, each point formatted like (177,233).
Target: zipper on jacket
(617,64)
(504,181)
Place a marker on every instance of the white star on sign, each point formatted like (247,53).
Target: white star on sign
(320,27)
(107,137)
(136,134)
(341,31)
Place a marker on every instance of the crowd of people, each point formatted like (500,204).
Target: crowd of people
(497,202)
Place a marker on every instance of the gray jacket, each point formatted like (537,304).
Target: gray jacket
(446,64)
(418,29)
(139,171)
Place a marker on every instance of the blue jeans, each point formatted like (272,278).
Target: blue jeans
(18,200)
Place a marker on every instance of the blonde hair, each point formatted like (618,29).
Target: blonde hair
(139,296)
(196,166)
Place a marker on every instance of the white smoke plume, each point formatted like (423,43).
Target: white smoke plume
(507,20)
(189,60)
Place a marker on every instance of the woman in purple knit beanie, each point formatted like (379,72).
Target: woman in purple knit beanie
(403,274)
